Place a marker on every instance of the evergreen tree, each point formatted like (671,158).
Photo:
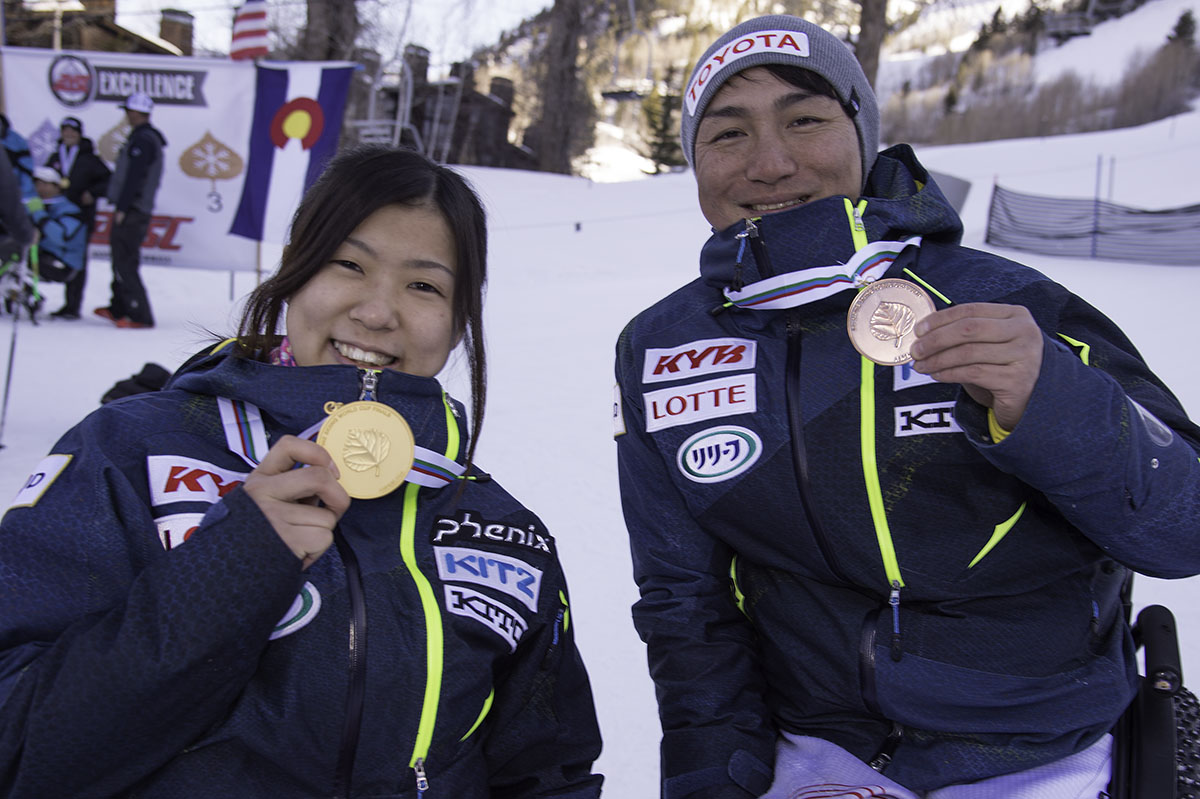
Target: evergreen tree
(661,113)
(1184,32)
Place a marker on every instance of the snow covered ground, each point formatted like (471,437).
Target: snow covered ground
(571,262)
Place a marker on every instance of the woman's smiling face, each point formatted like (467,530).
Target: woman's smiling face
(385,299)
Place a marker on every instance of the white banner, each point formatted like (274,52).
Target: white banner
(204,108)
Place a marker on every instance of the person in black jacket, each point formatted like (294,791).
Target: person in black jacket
(87,175)
(185,613)
(131,190)
(883,490)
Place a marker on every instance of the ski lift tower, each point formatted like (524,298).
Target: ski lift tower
(624,89)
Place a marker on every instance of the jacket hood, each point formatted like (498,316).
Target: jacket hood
(902,200)
(146,127)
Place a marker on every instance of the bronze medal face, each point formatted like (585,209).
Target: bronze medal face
(372,445)
(882,317)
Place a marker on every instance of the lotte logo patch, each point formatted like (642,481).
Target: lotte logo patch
(718,454)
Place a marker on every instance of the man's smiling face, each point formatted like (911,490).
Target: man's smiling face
(765,145)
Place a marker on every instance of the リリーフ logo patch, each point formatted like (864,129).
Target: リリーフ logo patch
(719,453)
(933,417)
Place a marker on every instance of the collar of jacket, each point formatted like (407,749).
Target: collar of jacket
(902,201)
(294,397)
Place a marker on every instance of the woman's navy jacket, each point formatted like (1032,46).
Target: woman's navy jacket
(831,547)
(158,638)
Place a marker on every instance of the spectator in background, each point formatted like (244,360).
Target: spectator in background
(62,241)
(16,231)
(19,157)
(87,175)
(131,190)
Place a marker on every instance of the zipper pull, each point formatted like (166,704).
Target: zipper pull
(422,780)
(858,223)
(894,601)
(370,381)
(751,232)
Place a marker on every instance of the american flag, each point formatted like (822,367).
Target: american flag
(250,31)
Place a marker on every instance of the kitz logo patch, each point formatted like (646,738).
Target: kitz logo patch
(719,453)
(466,526)
(698,358)
(496,616)
(511,576)
(698,402)
(174,478)
(934,417)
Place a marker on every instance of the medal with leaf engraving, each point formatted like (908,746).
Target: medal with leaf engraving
(882,317)
(372,445)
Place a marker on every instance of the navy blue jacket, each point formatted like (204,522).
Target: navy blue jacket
(158,639)
(139,169)
(835,548)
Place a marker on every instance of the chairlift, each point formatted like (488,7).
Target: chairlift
(624,89)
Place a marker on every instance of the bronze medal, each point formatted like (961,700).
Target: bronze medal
(372,445)
(882,317)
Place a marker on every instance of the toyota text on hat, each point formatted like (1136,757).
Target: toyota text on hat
(790,42)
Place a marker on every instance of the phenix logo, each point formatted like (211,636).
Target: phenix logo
(696,358)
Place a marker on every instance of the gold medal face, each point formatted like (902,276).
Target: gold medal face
(372,445)
(882,317)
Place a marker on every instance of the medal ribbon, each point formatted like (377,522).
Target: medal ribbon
(247,437)
(809,285)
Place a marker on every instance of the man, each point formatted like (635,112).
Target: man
(87,178)
(131,190)
(900,578)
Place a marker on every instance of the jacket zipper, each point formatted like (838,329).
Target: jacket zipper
(434,640)
(795,416)
(355,694)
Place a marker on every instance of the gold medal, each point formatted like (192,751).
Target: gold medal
(372,445)
(882,317)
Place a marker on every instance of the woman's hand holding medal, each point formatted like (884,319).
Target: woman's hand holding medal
(303,505)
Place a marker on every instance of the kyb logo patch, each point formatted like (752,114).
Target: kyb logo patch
(698,358)
(698,402)
(466,526)
(719,453)
(174,478)
(934,417)
(496,616)
(509,575)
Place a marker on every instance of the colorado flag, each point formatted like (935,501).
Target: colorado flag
(298,109)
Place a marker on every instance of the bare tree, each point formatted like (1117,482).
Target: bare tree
(557,127)
(331,30)
(872,25)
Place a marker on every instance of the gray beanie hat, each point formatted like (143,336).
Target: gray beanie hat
(783,39)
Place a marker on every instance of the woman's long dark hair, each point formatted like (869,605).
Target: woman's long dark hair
(355,184)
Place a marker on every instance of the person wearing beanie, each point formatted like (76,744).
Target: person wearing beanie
(87,179)
(884,492)
(131,190)
(62,234)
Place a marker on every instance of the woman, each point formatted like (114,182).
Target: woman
(185,612)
